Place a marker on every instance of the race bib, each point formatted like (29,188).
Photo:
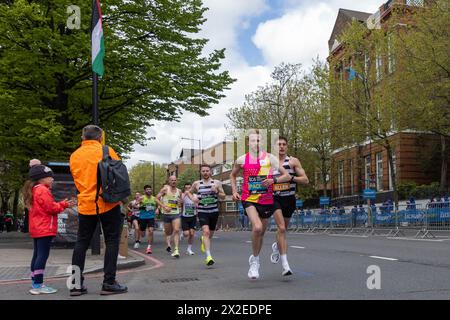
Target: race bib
(189,211)
(255,185)
(173,204)
(207,200)
(149,208)
(281,186)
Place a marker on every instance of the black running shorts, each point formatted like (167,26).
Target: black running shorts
(146,223)
(265,211)
(286,204)
(188,223)
(208,219)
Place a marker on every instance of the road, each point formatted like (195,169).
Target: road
(324,266)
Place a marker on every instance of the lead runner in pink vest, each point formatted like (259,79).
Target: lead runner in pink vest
(257,192)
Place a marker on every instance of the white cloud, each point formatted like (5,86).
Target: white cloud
(303,31)
(298,35)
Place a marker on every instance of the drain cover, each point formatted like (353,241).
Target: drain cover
(178,280)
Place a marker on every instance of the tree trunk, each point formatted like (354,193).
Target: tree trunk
(394,182)
(324,178)
(444,164)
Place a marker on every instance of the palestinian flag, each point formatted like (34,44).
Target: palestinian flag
(98,43)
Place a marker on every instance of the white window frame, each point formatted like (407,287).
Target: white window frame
(351,177)
(367,163)
(341,178)
(378,66)
(216,170)
(391,57)
(379,167)
(230,206)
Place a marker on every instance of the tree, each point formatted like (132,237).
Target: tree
(142,174)
(155,69)
(424,87)
(286,104)
(316,131)
(364,94)
(188,176)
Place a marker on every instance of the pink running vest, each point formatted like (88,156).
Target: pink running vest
(255,172)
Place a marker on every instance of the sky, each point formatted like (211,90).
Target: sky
(258,35)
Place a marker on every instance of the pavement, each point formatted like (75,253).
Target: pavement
(325,266)
(16,250)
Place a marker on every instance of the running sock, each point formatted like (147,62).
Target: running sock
(190,247)
(284,261)
(208,253)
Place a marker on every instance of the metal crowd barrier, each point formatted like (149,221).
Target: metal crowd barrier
(379,220)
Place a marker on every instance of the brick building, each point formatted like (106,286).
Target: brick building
(366,165)
(220,157)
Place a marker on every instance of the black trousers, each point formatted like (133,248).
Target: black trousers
(112,223)
(40,255)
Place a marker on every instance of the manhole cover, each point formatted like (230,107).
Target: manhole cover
(178,280)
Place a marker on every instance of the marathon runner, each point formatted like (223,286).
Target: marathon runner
(133,207)
(147,216)
(285,202)
(257,192)
(169,199)
(209,191)
(188,218)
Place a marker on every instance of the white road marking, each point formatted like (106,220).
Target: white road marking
(297,247)
(248,241)
(410,239)
(347,235)
(384,258)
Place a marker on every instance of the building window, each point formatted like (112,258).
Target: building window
(367,171)
(230,206)
(415,3)
(341,178)
(378,66)
(227,166)
(351,177)
(394,160)
(391,57)
(216,170)
(366,65)
(379,158)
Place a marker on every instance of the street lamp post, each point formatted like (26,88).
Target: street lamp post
(153,172)
(201,154)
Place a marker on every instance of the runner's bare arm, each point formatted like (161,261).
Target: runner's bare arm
(159,195)
(233,175)
(301,177)
(275,165)
(180,199)
(190,193)
(221,193)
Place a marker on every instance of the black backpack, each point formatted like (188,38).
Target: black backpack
(112,177)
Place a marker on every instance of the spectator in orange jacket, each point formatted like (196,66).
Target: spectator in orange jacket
(83,165)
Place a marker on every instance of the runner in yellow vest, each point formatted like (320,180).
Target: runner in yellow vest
(169,199)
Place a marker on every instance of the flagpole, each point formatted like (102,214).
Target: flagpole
(95,98)
(95,241)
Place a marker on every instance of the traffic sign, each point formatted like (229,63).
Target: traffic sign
(324,201)
(370,194)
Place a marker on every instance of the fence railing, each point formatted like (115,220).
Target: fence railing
(376,220)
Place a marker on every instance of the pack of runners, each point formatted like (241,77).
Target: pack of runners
(268,189)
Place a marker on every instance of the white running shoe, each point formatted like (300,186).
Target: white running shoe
(253,272)
(275,256)
(190,252)
(286,271)
(136,245)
